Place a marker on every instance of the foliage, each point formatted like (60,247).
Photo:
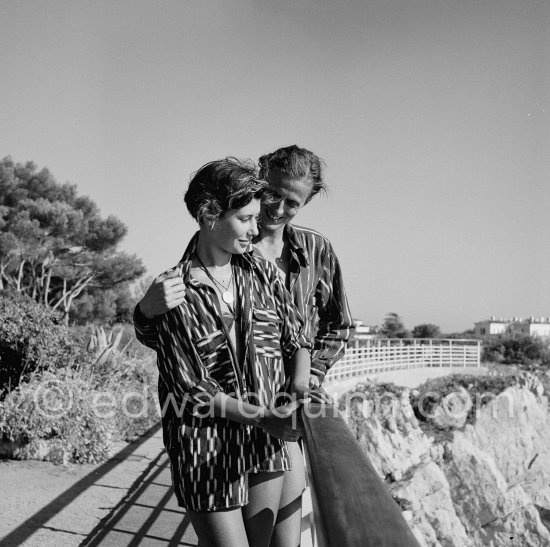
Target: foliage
(82,410)
(393,327)
(426,330)
(54,245)
(127,372)
(370,391)
(32,339)
(132,382)
(431,393)
(516,349)
(59,409)
(468,334)
(105,306)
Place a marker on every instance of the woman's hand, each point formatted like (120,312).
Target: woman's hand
(300,392)
(166,292)
(284,422)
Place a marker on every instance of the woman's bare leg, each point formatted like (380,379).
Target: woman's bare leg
(219,528)
(264,495)
(288,525)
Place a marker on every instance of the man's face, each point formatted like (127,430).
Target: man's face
(284,198)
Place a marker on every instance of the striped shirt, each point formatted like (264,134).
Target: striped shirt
(317,288)
(210,456)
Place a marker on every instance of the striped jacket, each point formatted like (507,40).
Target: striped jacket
(317,288)
(211,456)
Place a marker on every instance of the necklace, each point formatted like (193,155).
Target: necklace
(227,295)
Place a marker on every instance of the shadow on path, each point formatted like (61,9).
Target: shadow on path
(147,516)
(38,520)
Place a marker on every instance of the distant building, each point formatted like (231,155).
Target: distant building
(491,326)
(534,326)
(362,332)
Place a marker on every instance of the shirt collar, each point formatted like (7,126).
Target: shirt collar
(296,243)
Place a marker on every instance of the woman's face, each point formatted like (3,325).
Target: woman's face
(286,197)
(233,233)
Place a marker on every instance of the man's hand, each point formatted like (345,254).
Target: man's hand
(166,292)
(316,393)
(306,394)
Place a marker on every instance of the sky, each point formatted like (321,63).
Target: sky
(431,115)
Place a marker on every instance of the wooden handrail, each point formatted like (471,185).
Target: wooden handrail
(351,504)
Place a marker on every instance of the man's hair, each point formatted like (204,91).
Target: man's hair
(222,185)
(297,163)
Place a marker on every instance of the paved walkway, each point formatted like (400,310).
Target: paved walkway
(148,515)
(128,500)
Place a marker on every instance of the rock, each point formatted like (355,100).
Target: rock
(428,495)
(453,410)
(514,429)
(480,493)
(542,497)
(392,450)
(523,528)
(478,487)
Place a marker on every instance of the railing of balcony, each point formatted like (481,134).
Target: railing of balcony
(351,505)
(382,355)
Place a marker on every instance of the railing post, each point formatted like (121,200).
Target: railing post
(479,353)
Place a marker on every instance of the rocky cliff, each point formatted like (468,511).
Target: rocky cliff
(471,470)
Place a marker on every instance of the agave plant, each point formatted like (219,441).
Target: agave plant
(105,345)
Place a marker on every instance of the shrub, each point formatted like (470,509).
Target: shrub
(32,339)
(59,409)
(58,398)
(431,393)
(126,372)
(516,349)
(132,382)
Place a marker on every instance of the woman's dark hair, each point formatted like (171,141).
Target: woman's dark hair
(298,163)
(221,185)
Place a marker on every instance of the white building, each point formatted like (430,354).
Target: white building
(534,326)
(491,326)
(362,332)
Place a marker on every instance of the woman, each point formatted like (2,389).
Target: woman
(220,355)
